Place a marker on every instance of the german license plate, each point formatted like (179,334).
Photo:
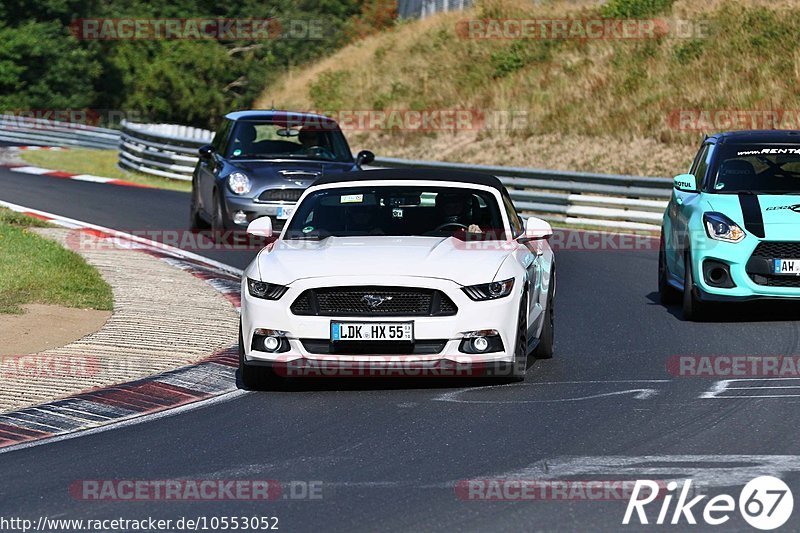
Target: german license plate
(372,331)
(285,212)
(786,267)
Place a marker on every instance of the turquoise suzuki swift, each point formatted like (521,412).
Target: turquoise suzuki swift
(731,231)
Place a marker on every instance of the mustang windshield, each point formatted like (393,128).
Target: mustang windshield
(268,140)
(762,168)
(397,210)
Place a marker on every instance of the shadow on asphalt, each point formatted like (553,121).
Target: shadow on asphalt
(740,312)
(374,383)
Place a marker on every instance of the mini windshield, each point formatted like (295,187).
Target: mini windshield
(768,169)
(270,140)
(396,211)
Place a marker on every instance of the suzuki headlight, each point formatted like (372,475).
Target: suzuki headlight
(721,228)
(489,291)
(239,183)
(267,291)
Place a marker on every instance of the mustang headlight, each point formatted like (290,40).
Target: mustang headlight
(239,183)
(267,291)
(721,228)
(489,291)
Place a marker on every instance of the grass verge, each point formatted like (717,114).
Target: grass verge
(34,269)
(98,163)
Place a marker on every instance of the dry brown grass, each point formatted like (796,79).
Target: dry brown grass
(590,105)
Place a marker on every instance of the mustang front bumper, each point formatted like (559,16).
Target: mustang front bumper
(305,334)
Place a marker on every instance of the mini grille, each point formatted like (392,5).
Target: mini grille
(779,249)
(355,301)
(286,195)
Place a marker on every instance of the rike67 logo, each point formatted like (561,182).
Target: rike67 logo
(765,503)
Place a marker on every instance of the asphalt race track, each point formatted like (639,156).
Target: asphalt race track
(388,454)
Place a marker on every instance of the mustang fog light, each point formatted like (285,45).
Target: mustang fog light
(272,343)
(270,340)
(240,217)
(482,341)
(480,344)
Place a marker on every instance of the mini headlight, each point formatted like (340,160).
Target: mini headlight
(267,291)
(489,291)
(721,228)
(239,183)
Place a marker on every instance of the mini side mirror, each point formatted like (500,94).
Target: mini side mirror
(205,151)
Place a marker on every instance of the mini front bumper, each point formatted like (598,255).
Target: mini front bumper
(254,209)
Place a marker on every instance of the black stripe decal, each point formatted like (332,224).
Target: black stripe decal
(751,211)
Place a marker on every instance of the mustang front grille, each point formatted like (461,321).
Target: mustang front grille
(373,301)
(286,195)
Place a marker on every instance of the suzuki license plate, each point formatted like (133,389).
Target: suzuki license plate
(787,267)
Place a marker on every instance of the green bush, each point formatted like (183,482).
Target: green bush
(629,9)
(186,81)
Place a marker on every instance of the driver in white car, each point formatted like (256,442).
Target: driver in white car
(455,209)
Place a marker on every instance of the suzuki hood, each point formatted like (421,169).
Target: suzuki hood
(779,213)
(428,257)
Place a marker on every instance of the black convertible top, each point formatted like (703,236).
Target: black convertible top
(410,174)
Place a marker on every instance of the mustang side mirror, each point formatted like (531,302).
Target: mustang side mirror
(205,151)
(364,157)
(685,183)
(536,228)
(260,227)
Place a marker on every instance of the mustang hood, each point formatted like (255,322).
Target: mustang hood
(771,216)
(431,257)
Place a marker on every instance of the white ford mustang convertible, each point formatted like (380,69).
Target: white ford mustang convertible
(399,272)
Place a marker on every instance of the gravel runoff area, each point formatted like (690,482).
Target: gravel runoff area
(163,318)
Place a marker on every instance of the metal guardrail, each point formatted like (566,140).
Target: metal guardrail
(575,198)
(165,150)
(36,131)
(425,8)
(578,198)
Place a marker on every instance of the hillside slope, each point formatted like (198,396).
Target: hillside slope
(607,105)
